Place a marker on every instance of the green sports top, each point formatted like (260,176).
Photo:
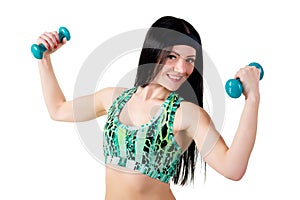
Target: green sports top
(151,148)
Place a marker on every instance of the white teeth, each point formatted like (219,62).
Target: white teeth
(174,77)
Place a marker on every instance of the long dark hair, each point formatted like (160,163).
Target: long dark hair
(163,34)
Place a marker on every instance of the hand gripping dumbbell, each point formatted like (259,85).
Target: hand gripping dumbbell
(38,50)
(234,87)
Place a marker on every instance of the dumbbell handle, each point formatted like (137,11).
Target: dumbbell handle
(234,87)
(38,50)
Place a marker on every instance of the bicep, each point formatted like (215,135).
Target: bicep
(88,107)
(78,110)
(209,142)
(95,105)
(205,134)
(214,150)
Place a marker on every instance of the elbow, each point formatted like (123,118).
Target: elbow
(59,118)
(54,116)
(57,115)
(235,177)
(236,174)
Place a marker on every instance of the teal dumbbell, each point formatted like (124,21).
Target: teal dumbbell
(234,87)
(38,50)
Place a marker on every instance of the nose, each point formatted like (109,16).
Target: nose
(180,66)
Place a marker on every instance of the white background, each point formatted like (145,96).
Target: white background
(43,159)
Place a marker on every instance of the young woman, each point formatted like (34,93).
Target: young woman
(155,130)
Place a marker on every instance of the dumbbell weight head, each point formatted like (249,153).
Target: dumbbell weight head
(234,88)
(38,50)
(63,32)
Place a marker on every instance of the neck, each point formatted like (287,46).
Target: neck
(152,91)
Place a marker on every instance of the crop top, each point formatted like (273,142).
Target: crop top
(150,149)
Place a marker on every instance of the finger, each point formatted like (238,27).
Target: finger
(52,39)
(237,74)
(42,39)
(254,70)
(58,43)
(64,41)
(55,33)
(257,71)
(47,40)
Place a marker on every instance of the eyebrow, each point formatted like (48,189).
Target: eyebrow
(180,55)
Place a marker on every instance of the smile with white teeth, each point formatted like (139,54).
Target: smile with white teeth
(174,77)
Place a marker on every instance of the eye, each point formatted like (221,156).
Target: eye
(190,60)
(172,57)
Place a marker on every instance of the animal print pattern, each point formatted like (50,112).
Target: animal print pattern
(151,148)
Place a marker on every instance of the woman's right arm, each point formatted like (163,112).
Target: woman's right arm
(80,109)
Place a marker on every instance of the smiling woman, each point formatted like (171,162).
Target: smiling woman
(178,66)
(143,154)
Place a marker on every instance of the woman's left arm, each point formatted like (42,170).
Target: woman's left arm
(232,161)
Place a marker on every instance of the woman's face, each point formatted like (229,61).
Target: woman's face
(178,66)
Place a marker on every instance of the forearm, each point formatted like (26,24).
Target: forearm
(52,92)
(239,152)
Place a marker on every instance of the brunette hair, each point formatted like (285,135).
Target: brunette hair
(163,34)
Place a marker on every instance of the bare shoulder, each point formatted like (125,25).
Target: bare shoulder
(192,116)
(193,110)
(106,96)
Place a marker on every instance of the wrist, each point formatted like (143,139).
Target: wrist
(45,63)
(254,98)
(45,60)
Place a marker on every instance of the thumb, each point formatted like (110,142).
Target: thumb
(64,41)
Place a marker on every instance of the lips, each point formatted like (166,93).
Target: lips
(174,78)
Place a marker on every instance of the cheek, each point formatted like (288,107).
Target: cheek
(165,69)
(161,73)
(190,70)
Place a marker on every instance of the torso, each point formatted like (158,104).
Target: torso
(136,113)
(122,184)
(128,186)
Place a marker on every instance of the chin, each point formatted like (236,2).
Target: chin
(172,87)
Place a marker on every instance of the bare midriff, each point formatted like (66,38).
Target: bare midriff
(128,185)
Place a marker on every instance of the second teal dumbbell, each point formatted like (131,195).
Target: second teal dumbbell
(234,87)
(38,50)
